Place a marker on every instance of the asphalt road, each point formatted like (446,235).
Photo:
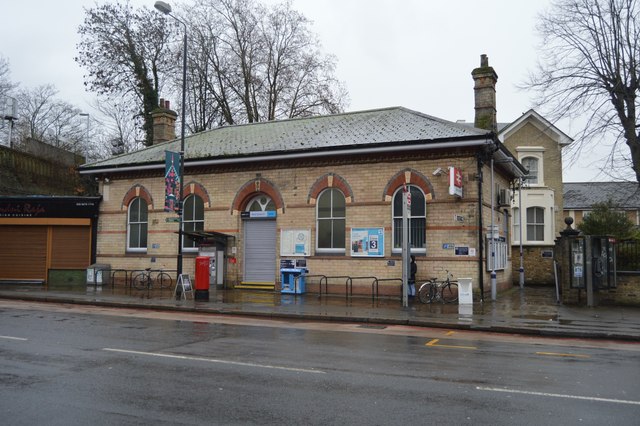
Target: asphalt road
(65,364)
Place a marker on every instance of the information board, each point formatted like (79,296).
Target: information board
(295,242)
(183,287)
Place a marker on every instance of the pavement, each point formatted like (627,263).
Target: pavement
(530,311)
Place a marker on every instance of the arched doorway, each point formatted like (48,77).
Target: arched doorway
(259,232)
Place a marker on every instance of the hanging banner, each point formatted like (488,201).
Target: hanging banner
(455,181)
(171,181)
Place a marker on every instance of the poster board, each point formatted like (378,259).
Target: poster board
(367,242)
(295,242)
(183,287)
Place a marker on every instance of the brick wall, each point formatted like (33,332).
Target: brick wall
(368,207)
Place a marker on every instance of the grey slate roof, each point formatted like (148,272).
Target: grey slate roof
(581,196)
(388,126)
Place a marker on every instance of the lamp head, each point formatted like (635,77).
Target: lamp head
(163,7)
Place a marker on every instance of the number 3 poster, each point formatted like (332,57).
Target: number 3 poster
(367,242)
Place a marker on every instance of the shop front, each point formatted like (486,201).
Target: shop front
(47,239)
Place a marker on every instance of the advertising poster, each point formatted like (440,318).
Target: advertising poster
(367,242)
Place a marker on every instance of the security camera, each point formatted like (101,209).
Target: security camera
(438,171)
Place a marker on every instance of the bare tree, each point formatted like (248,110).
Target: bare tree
(118,133)
(6,85)
(253,63)
(43,117)
(124,52)
(589,64)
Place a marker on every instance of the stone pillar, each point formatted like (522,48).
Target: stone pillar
(485,79)
(562,256)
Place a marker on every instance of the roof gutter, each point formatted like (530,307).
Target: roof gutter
(297,156)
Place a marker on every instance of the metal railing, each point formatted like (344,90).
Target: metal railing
(628,256)
(323,283)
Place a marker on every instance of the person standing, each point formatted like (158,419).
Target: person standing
(413,268)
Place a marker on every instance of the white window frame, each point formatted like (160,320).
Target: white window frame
(139,223)
(415,250)
(189,220)
(332,219)
(535,152)
(536,224)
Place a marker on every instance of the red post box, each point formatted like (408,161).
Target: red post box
(202,278)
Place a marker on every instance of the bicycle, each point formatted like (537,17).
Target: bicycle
(144,281)
(445,291)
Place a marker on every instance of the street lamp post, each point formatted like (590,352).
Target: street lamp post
(85,149)
(166,9)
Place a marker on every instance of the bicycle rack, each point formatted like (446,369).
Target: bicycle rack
(375,295)
(349,283)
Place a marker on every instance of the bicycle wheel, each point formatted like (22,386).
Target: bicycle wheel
(450,292)
(425,293)
(164,280)
(140,281)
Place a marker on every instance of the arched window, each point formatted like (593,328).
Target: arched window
(192,220)
(535,224)
(531,164)
(331,212)
(261,203)
(137,225)
(417,220)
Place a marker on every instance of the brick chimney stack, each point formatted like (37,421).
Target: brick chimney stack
(164,123)
(485,79)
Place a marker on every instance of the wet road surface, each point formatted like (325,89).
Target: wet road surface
(66,364)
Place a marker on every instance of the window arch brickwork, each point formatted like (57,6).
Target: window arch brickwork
(253,187)
(199,190)
(330,180)
(137,191)
(407,177)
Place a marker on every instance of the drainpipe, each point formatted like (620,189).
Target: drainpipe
(480,226)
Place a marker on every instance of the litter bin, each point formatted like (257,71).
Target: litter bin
(465,291)
(202,278)
(289,284)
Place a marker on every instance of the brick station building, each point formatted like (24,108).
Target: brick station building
(326,189)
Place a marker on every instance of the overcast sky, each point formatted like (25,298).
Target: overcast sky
(412,53)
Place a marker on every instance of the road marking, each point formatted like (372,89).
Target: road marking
(217,361)
(564,355)
(13,338)
(558,395)
(449,333)
(434,342)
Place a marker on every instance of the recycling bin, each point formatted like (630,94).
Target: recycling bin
(289,284)
(202,278)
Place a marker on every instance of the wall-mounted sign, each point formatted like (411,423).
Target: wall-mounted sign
(295,242)
(448,246)
(455,181)
(462,251)
(270,214)
(367,242)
